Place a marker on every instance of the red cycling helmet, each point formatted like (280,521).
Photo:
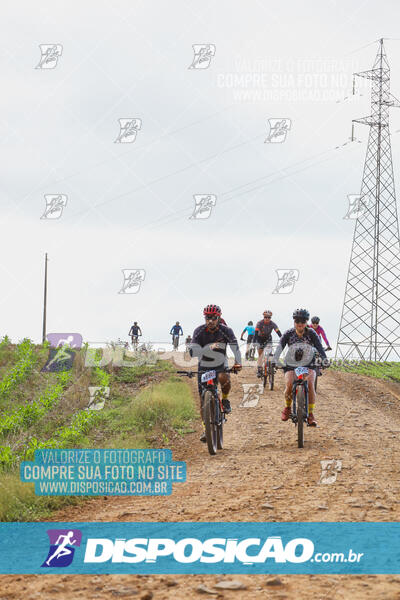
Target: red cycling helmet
(212,309)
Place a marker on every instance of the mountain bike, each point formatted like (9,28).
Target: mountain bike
(212,409)
(299,413)
(135,342)
(250,349)
(268,367)
(175,342)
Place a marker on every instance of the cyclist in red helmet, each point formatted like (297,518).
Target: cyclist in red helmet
(209,345)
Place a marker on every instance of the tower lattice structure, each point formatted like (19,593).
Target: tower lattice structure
(370,321)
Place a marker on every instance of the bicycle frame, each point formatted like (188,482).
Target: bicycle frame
(300,381)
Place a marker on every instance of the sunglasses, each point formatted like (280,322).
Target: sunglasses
(269,318)
(300,320)
(213,318)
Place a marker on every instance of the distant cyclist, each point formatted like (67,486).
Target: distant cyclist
(135,332)
(299,334)
(318,329)
(263,337)
(176,331)
(250,337)
(188,341)
(209,345)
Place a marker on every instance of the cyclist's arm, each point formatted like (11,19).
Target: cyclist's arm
(322,332)
(196,346)
(181,330)
(130,331)
(278,333)
(282,343)
(140,331)
(317,343)
(232,341)
(243,332)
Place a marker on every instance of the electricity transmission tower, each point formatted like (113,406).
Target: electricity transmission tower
(370,321)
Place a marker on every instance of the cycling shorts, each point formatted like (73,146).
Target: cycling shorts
(264,342)
(219,369)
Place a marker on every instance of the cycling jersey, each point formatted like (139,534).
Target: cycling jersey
(290,337)
(264,330)
(134,330)
(176,330)
(250,329)
(204,337)
(320,332)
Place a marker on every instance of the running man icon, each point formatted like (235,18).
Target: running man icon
(61,551)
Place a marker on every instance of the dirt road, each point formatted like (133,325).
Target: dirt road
(261,475)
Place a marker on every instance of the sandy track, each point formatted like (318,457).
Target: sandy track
(359,424)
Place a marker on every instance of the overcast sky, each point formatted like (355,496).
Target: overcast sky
(203,131)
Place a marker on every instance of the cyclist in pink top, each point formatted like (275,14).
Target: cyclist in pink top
(318,329)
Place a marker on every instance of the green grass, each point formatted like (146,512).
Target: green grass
(134,374)
(151,418)
(18,501)
(379,370)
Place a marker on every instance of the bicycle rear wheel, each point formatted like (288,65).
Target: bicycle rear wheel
(301,403)
(209,422)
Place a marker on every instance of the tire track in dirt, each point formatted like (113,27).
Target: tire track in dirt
(261,465)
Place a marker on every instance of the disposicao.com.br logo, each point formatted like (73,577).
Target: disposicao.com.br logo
(247,551)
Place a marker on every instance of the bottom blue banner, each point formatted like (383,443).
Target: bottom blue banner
(173,548)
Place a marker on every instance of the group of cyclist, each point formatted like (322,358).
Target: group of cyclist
(211,339)
(176,331)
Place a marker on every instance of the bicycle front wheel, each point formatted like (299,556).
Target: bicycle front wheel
(209,422)
(301,406)
(220,430)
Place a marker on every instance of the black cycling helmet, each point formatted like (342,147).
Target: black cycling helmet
(301,313)
(135,323)
(250,323)
(315,320)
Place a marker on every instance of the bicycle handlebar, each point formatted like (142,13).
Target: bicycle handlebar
(192,373)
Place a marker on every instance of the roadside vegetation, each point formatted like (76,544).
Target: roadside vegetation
(148,406)
(380,370)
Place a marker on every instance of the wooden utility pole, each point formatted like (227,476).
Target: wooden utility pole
(45,299)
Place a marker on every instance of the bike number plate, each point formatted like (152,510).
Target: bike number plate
(301,371)
(207,376)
